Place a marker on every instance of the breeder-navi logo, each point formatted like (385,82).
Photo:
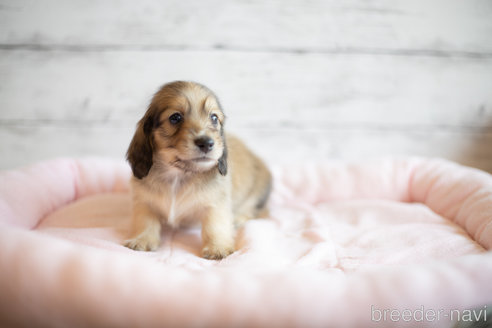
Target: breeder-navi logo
(427,315)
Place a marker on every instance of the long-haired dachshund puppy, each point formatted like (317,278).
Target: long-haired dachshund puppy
(186,169)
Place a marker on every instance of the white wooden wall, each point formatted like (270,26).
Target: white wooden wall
(299,80)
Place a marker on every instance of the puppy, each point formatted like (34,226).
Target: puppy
(186,170)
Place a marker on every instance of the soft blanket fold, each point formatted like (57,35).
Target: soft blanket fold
(344,243)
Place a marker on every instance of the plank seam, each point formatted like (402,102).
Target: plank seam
(223,48)
(281,126)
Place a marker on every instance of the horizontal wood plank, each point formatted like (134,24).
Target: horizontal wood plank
(437,27)
(22,145)
(260,89)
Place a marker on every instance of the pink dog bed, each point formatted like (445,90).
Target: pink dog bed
(346,246)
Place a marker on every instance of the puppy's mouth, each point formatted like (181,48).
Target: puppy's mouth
(194,164)
(201,159)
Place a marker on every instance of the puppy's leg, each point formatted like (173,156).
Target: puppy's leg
(146,229)
(218,233)
(259,185)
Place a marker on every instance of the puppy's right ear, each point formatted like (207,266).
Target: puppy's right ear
(140,151)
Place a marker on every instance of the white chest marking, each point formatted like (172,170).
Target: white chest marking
(171,217)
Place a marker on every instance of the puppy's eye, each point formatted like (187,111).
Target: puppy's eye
(214,118)
(175,118)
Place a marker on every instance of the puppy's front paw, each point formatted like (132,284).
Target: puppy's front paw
(216,253)
(142,243)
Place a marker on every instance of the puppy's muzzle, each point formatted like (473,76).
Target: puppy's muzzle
(205,144)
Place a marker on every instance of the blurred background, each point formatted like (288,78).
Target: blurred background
(299,80)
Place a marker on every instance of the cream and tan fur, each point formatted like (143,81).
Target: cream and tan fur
(187,170)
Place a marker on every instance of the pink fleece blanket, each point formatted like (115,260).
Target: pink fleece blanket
(347,245)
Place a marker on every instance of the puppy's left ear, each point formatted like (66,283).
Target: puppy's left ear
(223,158)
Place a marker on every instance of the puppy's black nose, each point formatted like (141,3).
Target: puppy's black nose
(205,144)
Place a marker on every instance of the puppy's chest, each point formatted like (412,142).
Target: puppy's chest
(178,204)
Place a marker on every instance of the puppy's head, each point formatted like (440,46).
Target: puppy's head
(182,128)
